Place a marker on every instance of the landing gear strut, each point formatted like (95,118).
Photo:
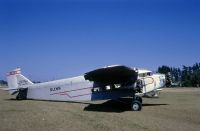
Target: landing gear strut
(137,100)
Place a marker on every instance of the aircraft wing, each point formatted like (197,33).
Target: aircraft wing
(112,75)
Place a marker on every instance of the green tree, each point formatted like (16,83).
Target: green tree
(188,76)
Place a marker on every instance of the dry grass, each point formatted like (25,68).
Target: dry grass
(176,109)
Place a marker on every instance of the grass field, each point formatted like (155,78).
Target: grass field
(175,109)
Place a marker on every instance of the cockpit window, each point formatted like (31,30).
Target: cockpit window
(145,74)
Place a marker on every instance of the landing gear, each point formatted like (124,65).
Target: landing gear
(137,100)
(137,103)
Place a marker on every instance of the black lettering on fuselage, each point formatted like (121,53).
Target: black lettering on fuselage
(55,89)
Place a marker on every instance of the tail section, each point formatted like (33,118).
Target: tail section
(16,80)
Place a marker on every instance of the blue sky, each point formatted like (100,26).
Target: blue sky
(57,39)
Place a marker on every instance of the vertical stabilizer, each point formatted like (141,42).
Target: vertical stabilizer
(16,80)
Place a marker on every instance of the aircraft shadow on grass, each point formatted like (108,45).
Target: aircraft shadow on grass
(115,106)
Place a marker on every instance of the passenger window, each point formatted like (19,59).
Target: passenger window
(142,75)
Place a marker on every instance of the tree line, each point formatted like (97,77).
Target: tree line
(187,76)
(2,82)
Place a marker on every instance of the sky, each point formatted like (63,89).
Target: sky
(53,39)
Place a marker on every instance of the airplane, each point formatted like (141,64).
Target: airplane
(110,82)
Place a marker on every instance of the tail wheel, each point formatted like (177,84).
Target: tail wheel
(136,105)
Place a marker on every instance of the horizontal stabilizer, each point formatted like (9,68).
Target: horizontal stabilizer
(8,89)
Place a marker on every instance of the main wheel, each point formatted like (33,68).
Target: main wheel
(136,105)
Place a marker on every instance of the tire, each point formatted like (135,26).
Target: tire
(136,106)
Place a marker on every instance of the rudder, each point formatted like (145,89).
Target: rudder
(16,80)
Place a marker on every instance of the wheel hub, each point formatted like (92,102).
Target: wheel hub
(135,106)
